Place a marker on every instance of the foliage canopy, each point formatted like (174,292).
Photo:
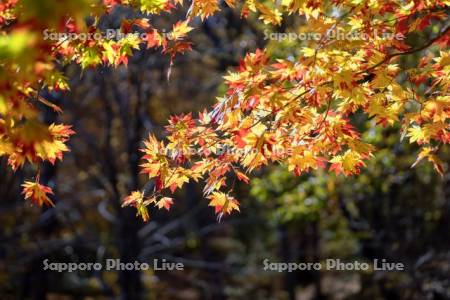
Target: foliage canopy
(295,111)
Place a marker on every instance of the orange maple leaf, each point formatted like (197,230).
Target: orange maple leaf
(37,193)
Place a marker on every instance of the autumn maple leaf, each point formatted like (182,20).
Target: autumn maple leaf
(223,203)
(37,193)
(136,199)
(165,202)
(348,163)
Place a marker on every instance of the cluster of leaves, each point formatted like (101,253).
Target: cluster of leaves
(296,111)
(292,111)
(32,48)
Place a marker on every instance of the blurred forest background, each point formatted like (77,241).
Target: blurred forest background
(390,211)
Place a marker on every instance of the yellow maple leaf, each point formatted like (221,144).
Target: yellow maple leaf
(180,30)
(136,199)
(349,163)
(223,203)
(418,134)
